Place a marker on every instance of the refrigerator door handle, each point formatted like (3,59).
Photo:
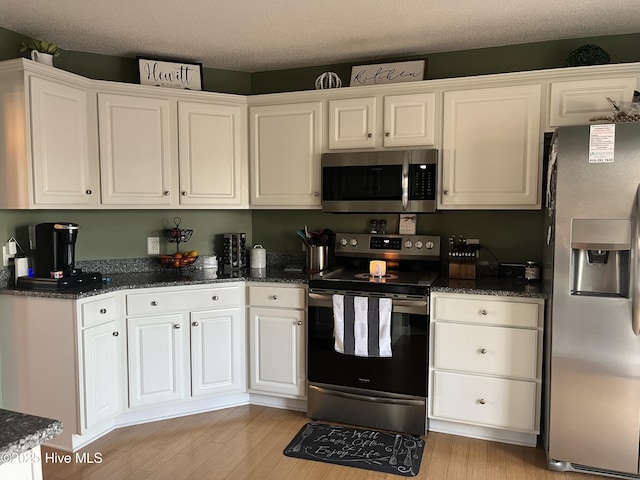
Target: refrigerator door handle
(635,271)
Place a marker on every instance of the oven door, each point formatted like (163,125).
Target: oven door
(404,373)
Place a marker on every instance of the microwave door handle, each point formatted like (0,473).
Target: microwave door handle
(405,181)
(635,270)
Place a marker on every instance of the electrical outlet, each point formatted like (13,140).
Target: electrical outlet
(153,245)
(5,256)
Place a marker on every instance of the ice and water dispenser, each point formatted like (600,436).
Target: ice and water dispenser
(600,256)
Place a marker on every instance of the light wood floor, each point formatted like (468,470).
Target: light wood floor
(246,442)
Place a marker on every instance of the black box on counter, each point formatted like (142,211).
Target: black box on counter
(513,271)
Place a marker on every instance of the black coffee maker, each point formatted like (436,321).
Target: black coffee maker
(55,249)
(54,257)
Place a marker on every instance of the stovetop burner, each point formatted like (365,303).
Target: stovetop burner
(374,278)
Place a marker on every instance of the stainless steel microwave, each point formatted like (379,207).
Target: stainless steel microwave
(398,181)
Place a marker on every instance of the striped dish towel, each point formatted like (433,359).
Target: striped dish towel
(362,325)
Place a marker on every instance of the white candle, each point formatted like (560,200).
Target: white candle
(377,268)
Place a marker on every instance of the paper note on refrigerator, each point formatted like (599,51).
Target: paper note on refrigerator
(602,143)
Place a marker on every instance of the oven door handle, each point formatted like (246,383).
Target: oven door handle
(397,305)
(395,401)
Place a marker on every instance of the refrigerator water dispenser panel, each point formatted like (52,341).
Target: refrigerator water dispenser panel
(600,255)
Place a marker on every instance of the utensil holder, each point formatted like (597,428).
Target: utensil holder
(317,257)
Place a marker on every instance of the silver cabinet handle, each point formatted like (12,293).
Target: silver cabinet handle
(215,298)
(316,194)
(482,401)
(177,326)
(167,193)
(154,303)
(103,311)
(445,192)
(387,134)
(115,334)
(88,192)
(184,193)
(483,351)
(300,322)
(195,324)
(369,135)
(484,312)
(274,297)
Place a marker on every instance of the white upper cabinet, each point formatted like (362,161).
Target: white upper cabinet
(490,148)
(407,120)
(577,102)
(285,145)
(212,153)
(135,150)
(46,160)
(352,123)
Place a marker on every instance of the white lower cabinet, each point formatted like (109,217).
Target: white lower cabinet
(277,319)
(485,368)
(192,346)
(63,359)
(158,349)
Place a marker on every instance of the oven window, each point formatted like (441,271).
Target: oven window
(372,182)
(405,372)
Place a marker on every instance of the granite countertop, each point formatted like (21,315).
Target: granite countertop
(20,432)
(170,278)
(490,286)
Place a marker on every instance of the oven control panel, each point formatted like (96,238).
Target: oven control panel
(388,245)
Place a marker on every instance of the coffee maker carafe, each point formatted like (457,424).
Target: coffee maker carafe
(55,249)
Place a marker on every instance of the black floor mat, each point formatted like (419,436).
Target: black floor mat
(381,451)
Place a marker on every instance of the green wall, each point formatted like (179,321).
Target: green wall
(511,236)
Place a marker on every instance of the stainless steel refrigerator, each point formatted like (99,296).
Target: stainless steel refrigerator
(592,356)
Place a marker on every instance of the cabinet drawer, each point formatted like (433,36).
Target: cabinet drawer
(503,351)
(518,314)
(183,300)
(490,401)
(97,312)
(270,296)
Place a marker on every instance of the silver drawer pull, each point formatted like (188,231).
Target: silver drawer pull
(154,303)
(103,311)
(483,351)
(300,323)
(177,326)
(484,312)
(115,334)
(274,297)
(195,324)
(482,401)
(215,298)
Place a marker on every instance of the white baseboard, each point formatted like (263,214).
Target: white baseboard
(484,433)
(162,412)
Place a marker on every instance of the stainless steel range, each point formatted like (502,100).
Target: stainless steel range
(386,392)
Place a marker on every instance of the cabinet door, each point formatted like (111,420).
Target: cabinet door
(352,123)
(217,352)
(490,156)
(575,103)
(212,154)
(285,148)
(277,352)
(409,120)
(135,150)
(158,359)
(100,374)
(62,170)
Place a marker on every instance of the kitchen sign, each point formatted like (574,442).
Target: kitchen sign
(161,73)
(387,73)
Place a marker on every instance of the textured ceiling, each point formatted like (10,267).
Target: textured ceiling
(262,35)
